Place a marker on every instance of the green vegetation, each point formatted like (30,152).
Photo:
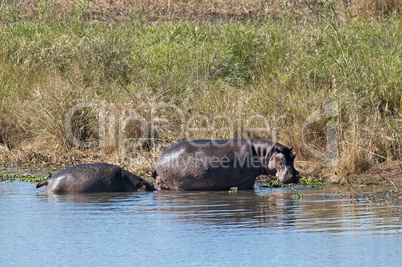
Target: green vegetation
(221,74)
(303,181)
(311,181)
(297,196)
(274,183)
(23,177)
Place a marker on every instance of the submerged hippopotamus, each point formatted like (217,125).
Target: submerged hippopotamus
(94,177)
(222,164)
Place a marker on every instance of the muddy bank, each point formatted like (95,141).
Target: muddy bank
(387,174)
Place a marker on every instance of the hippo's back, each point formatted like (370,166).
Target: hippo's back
(85,178)
(204,165)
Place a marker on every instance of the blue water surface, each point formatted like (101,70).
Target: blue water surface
(265,227)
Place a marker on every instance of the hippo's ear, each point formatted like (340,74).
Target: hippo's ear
(277,149)
(293,155)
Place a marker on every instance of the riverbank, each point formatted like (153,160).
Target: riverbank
(100,82)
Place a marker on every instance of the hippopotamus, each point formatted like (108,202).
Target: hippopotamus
(222,164)
(94,177)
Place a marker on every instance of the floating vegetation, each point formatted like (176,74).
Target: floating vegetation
(311,181)
(23,177)
(297,196)
(304,181)
(274,183)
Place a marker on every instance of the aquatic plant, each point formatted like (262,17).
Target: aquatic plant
(297,196)
(274,183)
(23,177)
(311,181)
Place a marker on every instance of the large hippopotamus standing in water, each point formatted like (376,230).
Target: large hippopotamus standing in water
(94,177)
(222,164)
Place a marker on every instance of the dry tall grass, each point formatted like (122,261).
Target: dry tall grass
(123,10)
(154,83)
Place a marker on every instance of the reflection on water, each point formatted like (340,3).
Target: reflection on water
(196,228)
(240,209)
(315,212)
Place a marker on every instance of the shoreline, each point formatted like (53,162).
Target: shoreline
(387,174)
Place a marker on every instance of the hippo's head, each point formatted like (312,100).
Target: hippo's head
(281,163)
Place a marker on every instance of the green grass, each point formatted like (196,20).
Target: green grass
(238,69)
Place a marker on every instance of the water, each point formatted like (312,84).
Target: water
(261,228)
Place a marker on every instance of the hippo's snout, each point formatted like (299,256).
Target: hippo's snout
(289,176)
(148,186)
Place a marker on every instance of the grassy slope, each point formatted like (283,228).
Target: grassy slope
(220,74)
